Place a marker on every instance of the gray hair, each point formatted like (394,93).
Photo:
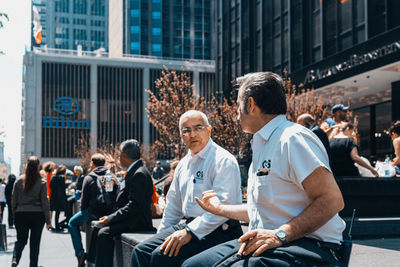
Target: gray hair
(78,168)
(191,113)
(131,148)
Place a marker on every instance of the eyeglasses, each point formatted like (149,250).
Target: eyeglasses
(196,129)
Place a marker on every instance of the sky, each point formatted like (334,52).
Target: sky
(14,37)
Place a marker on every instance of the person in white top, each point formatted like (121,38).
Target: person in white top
(2,198)
(293,198)
(207,166)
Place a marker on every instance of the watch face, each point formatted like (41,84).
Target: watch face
(281,234)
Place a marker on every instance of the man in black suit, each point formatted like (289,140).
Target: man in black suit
(132,205)
(308,121)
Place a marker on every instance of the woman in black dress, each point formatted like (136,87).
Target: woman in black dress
(344,153)
(58,198)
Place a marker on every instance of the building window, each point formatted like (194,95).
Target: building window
(135,29)
(156,15)
(62,6)
(97,7)
(80,6)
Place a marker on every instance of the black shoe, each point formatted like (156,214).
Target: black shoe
(81,259)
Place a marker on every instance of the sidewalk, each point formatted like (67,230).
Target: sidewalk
(55,249)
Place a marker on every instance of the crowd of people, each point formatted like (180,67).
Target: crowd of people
(339,138)
(292,206)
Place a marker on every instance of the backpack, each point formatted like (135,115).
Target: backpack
(104,200)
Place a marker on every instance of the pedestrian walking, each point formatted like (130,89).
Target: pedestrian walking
(8,192)
(30,207)
(58,198)
(2,198)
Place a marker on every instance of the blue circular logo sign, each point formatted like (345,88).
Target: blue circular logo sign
(66,105)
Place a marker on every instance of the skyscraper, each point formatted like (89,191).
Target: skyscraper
(66,24)
(347,50)
(169,28)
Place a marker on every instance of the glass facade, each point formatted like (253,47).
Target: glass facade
(277,35)
(169,28)
(69,23)
(373,121)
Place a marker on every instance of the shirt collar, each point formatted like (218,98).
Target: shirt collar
(133,164)
(203,153)
(266,131)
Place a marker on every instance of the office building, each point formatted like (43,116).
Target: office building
(347,50)
(170,28)
(67,97)
(69,24)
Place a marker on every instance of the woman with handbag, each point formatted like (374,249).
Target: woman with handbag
(31,211)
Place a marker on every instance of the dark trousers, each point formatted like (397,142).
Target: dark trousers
(104,240)
(25,222)
(148,253)
(10,214)
(302,252)
(2,206)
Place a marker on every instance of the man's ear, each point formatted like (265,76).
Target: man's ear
(251,104)
(209,128)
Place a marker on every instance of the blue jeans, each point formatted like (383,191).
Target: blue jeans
(74,223)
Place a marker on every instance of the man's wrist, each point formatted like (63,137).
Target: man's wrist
(188,230)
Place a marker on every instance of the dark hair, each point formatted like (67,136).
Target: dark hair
(131,148)
(267,90)
(98,159)
(49,166)
(61,169)
(32,173)
(395,127)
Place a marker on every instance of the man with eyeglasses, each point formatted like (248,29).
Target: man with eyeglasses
(207,166)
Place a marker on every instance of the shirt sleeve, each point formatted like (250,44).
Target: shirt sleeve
(226,184)
(173,210)
(305,153)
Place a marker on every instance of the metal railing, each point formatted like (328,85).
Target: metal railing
(102,54)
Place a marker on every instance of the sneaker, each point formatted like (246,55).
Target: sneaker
(14,264)
(81,259)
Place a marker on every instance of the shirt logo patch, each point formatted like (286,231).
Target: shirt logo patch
(199,178)
(266,164)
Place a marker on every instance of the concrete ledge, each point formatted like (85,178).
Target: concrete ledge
(374,227)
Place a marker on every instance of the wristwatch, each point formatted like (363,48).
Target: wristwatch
(282,236)
(188,230)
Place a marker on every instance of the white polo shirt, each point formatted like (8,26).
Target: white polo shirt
(212,168)
(291,153)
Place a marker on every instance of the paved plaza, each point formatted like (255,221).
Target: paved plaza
(56,251)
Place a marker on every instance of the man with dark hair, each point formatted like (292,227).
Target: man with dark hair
(206,166)
(158,171)
(133,211)
(308,121)
(394,132)
(89,209)
(293,199)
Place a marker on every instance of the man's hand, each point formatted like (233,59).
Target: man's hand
(210,202)
(258,240)
(174,242)
(103,221)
